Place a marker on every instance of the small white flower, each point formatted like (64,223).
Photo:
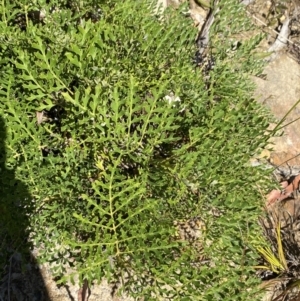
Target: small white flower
(172,98)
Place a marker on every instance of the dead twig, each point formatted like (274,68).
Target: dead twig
(273,30)
(84,292)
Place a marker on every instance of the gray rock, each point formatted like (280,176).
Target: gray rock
(279,92)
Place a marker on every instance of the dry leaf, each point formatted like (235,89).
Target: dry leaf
(40,117)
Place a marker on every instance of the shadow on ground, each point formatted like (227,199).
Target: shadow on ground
(20,278)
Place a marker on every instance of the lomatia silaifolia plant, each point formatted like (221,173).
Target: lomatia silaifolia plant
(121,140)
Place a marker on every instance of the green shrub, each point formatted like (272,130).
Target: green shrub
(117,135)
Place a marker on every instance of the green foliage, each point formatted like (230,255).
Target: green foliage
(134,138)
